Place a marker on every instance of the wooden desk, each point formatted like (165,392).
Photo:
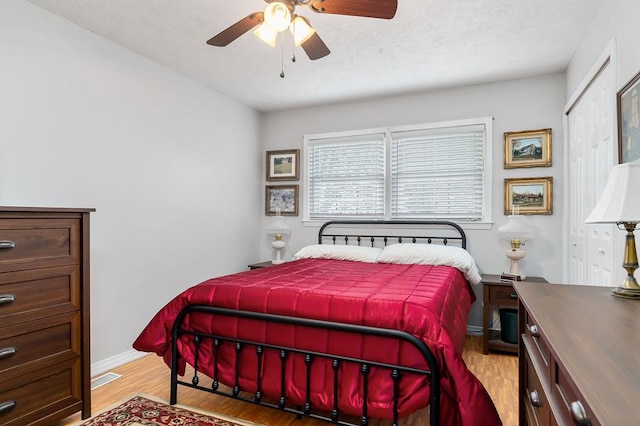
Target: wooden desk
(578,355)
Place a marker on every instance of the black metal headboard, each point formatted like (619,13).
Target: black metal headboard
(383,232)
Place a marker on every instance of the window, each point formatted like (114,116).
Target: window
(347,177)
(430,171)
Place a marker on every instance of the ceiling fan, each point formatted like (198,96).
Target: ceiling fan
(279,15)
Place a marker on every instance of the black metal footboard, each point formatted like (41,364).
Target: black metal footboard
(259,348)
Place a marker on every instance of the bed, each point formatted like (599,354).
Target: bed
(369,323)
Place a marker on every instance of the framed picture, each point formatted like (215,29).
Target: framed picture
(530,148)
(629,121)
(283,197)
(528,196)
(283,165)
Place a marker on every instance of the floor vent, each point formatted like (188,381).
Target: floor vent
(104,379)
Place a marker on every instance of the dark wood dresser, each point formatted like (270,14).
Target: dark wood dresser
(44,315)
(578,356)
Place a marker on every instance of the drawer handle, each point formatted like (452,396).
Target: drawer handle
(5,299)
(6,244)
(7,406)
(513,296)
(579,414)
(534,331)
(7,352)
(535,398)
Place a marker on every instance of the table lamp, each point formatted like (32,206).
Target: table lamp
(278,229)
(619,203)
(516,231)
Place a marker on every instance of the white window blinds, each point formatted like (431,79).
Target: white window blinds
(438,173)
(346,176)
(430,171)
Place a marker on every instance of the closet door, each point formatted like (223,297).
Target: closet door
(591,155)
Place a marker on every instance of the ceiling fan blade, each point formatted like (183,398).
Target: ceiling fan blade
(384,9)
(315,47)
(236,30)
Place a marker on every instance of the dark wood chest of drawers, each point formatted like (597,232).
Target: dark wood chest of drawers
(578,352)
(44,315)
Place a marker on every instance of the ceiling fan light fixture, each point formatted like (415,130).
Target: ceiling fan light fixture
(301,30)
(278,16)
(267,34)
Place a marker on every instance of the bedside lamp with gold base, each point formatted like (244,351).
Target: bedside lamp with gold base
(619,203)
(516,232)
(278,229)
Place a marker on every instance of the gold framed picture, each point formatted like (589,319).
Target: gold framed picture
(282,197)
(628,100)
(530,148)
(528,196)
(283,165)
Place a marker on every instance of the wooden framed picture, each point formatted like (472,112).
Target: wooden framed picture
(629,121)
(283,165)
(529,148)
(528,196)
(283,197)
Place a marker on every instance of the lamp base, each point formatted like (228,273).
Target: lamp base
(277,244)
(515,254)
(628,290)
(626,293)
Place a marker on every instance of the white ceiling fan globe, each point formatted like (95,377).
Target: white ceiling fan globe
(278,16)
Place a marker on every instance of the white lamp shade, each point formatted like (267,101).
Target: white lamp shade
(267,34)
(516,229)
(620,199)
(278,226)
(301,30)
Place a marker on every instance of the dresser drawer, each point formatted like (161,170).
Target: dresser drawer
(38,243)
(48,392)
(503,295)
(532,332)
(535,400)
(572,408)
(29,295)
(39,344)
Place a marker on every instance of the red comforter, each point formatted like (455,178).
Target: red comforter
(430,302)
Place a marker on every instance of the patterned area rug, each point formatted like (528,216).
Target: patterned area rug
(142,411)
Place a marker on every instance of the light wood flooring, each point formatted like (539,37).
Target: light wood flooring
(149,375)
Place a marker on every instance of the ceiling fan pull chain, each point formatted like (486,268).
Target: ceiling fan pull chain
(282,56)
(293,44)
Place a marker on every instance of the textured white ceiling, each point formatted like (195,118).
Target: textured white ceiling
(429,44)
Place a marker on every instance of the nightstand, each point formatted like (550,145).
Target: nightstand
(260,265)
(499,294)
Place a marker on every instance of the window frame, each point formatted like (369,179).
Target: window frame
(487,198)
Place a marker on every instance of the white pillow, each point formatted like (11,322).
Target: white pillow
(339,252)
(432,254)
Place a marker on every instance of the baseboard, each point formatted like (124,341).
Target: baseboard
(474,330)
(115,361)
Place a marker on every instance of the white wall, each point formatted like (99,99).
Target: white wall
(171,167)
(516,105)
(617,21)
